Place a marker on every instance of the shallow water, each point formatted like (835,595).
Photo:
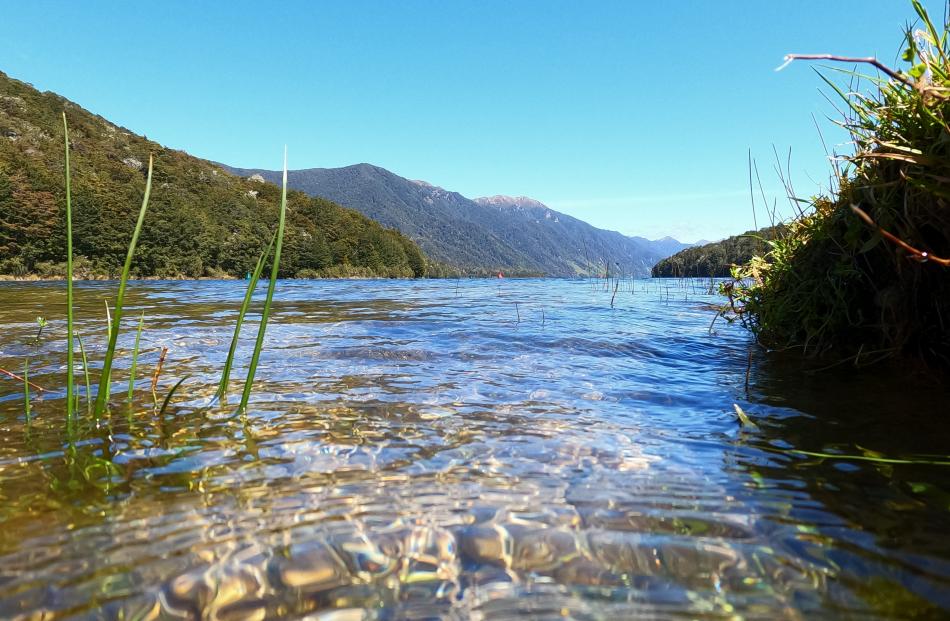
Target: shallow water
(472,450)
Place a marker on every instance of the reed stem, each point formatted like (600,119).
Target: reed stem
(69,285)
(265,314)
(26,390)
(158,371)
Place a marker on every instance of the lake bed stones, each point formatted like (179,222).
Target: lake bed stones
(309,569)
(222,593)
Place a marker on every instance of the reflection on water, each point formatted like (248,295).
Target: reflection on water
(429,450)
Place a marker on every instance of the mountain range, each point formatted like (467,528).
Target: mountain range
(202,221)
(480,235)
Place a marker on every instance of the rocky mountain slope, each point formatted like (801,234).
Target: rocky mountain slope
(512,234)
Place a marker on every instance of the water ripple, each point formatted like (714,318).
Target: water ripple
(470,450)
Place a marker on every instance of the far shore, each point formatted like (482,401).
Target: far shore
(38,278)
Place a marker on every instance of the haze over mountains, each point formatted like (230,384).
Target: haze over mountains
(514,234)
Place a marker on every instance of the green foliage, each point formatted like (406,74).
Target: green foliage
(718,258)
(835,284)
(202,221)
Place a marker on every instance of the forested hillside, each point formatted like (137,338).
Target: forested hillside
(202,221)
(717,258)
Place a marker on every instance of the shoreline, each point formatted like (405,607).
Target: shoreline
(34,278)
(38,278)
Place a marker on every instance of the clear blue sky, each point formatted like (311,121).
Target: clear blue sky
(635,116)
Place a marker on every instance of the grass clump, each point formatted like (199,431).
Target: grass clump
(245,304)
(99,408)
(863,274)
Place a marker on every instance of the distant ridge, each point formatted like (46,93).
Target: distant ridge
(512,234)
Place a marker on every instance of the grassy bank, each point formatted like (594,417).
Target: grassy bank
(863,275)
(98,402)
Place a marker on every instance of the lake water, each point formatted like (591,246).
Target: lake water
(475,450)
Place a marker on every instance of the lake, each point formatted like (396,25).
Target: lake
(473,449)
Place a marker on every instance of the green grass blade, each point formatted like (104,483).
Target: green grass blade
(108,320)
(102,397)
(108,378)
(69,286)
(931,29)
(135,355)
(861,112)
(744,419)
(168,397)
(85,372)
(265,314)
(251,286)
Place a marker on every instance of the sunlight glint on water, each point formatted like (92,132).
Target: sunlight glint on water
(426,450)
